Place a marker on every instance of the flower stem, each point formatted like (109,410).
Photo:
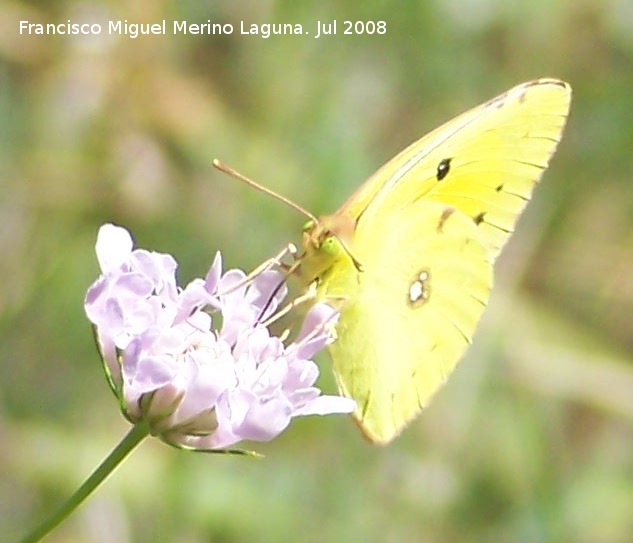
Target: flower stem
(118,454)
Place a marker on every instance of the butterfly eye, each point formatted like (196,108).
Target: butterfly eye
(331,246)
(308,225)
(443,168)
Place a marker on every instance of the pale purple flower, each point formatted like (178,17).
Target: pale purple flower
(196,386)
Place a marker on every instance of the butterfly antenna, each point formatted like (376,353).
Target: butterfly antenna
(233,173)
(227,169)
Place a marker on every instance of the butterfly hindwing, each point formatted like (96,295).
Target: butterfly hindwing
(410,314)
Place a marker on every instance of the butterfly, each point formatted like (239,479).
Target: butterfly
(410,255)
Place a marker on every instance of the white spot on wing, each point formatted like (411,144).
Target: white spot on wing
(419,289)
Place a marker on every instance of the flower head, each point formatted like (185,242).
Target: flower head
(196,386)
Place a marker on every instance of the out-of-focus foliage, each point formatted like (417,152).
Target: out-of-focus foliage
(531,440)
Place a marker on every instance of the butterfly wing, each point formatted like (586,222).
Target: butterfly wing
(485,162)
(410,313)
(426,229)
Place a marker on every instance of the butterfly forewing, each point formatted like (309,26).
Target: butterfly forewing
(493,156)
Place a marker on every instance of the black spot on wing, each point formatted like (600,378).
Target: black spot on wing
(479,218)
(443,168)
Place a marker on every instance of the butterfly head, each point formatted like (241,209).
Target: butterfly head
(326,242)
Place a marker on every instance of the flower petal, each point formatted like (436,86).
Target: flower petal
(114,246)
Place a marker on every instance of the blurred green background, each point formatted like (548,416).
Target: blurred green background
(532,438)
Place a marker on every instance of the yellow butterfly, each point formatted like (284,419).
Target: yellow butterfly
(410,254)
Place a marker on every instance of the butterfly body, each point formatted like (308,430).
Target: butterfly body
(410,254)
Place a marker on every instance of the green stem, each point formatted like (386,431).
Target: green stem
(118,454)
